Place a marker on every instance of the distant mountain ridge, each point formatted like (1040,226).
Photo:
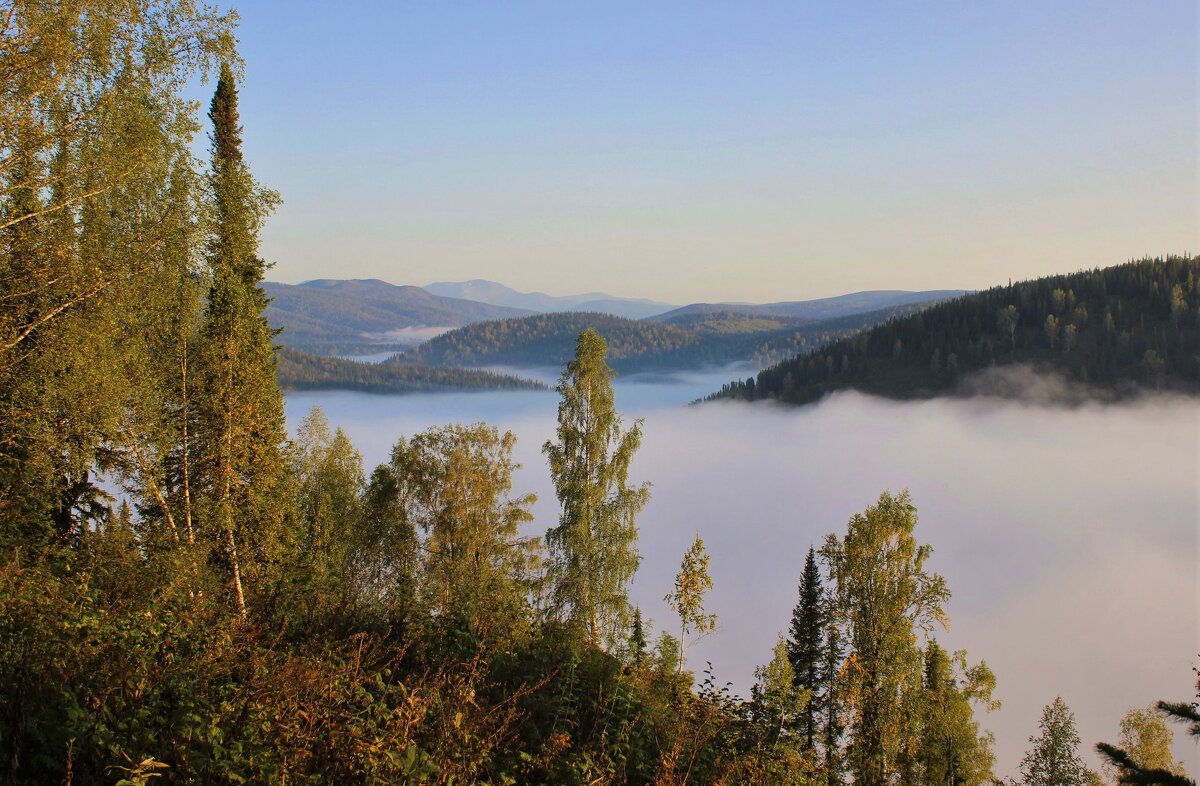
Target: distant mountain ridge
(816,309)
(370,316)
(494,293)
(330,316)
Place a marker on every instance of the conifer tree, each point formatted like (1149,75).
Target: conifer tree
(806,642)
(637,639)
(593,550)
(240,408)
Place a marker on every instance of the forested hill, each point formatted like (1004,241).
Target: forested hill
(710,339)
(296,370)
(549,340)
(819,309)
(1118,329)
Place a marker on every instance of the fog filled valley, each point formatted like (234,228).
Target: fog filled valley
(1067,535)
(858,443)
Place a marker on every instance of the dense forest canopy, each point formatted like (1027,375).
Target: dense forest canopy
(1114,330)
(691,340)
(189,595)
(298,370)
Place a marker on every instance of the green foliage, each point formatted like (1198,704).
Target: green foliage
(225,607)
(1115,330)
(951,749)
(881,596)
(691,584)
(806,644)
(1054,758)
(636,345)
(778,710)
(593,550)
(452,485)
(1143,756)
(240,467)
(298,370)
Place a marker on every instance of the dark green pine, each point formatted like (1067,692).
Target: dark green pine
(806,644)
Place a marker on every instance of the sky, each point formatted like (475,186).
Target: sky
(693,152)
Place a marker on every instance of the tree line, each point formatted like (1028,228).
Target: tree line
(636,345)
(189,595)
(298,370)
(1115,331)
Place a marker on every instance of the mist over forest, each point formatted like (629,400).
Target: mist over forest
(1065,532)
(225,559)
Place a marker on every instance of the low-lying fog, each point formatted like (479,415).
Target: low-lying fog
(1068,536)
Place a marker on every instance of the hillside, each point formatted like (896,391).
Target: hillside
(634,346)
(296,370)
(331,316)
(485,291)
(1116,330)
(810,310)
(549,340)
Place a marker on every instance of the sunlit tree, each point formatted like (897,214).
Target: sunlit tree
(593,549)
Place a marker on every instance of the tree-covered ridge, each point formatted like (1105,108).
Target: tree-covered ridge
(706,339)
(548,340)
(298,370)
(847,305)
(1116,330)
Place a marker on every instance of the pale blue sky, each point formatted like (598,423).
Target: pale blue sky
(736,151)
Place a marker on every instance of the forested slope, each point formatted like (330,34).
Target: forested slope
(298,370)
(836,307)
(701,339)
(1116,330)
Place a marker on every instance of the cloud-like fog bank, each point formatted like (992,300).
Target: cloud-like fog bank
(1068,536)
(412,335)
(1022,383)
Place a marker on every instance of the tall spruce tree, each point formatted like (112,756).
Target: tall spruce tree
(240,408)
(806,645)
(593,550)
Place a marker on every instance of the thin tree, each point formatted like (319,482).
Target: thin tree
(691,583)
(1054,758)
(593,550)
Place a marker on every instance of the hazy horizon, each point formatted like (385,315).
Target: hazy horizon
(729,152)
